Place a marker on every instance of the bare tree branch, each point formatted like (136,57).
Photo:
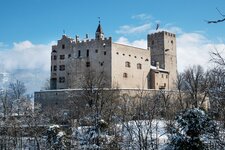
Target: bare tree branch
(219,20)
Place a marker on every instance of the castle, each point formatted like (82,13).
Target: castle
(124,67)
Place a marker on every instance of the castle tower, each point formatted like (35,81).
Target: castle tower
(163,52)
(99,32)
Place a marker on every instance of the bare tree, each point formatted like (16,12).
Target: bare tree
(46,85)
(219,20)
(17,89)
(196,85)
(139,117)
(95,107)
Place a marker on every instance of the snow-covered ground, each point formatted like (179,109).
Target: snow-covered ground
(133,134)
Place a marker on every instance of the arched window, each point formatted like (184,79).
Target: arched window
(139,66)
(127,64)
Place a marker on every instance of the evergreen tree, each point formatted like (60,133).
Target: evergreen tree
(193,129)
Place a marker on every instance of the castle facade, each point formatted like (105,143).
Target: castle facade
(123,66)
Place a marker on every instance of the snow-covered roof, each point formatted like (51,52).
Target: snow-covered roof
(158,69)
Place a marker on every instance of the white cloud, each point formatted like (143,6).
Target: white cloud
(142,16)
(142,43)
(128,29)
(25,55)
(192,49)
(27,62)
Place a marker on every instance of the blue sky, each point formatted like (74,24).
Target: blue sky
(42,21)
(28,28)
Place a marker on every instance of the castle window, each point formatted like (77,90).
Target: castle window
(79,53)
(54,51)
(123,54)
(171,41)
(141,57)
(125,75)
(88,64)
(135,56)
(62,57)
(129,55)
(101,63)
(63,46)
(51,68)
(139,66)
(117,53)
(96,51)
(162,75)
(104,52)
(166,76)
(62,67)
(164,84)
(69,55)
(55,68)
(62,79)
(87,53)
(152,42)
(127,64)
(146,59)
(54,57)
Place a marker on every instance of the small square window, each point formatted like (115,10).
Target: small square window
(62,67)
(152,42)
(127,64)
(96,51)
(139,66)
(125,75)
(88,64)
(62,57)
(62,79)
